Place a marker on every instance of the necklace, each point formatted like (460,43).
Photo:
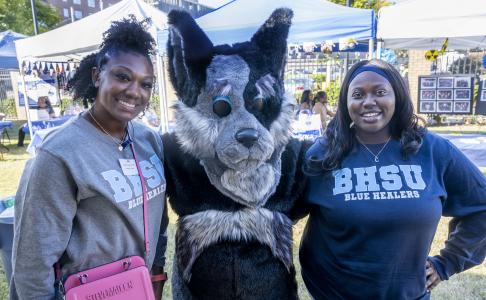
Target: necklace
(379,152)
(117,141)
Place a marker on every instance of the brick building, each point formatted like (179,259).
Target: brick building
(192,6)
(83,8)
(80,8)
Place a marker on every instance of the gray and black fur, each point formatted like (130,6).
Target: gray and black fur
(233,179)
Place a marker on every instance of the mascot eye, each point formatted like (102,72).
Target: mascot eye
(258,102)
(222,105)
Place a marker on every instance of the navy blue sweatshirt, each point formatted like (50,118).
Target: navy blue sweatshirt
(372,223)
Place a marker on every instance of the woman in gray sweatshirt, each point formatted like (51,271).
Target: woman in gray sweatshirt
(78,202)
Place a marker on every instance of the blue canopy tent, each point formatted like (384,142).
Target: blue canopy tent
(8,54)
(314,21)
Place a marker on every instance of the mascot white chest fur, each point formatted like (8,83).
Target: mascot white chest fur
(233,170)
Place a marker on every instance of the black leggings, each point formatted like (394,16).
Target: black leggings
(20,143)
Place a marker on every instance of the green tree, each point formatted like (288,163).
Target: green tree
(372,4)
(16,15)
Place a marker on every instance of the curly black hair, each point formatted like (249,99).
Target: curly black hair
(340,138)
(126,35)
(82,83)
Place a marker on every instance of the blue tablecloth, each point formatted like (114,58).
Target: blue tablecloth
(5,124)
(6,234)
(43,124)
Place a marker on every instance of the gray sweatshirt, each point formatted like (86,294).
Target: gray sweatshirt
(74,204)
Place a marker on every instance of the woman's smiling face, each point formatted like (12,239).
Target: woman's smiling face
(124,86)
(371,105)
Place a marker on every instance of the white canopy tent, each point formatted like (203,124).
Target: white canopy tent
(425,24)
(314,21)
(75,40)
(85,35)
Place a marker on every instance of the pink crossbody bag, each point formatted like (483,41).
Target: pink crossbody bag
(125,279)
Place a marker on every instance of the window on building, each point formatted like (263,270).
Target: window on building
(77,2)
(91,3)
(78,14)
(65,12)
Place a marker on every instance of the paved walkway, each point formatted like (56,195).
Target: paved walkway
(472,145)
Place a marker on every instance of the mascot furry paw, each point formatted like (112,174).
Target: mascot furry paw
(233,170)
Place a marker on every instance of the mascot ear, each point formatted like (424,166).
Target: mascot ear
(190,52)
(271,39)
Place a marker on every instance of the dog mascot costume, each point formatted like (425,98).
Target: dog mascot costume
(233,171)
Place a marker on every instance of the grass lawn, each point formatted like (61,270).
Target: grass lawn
(470,285)
(459,129)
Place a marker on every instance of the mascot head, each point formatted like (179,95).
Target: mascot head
(233,115)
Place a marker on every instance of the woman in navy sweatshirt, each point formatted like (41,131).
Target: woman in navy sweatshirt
(378,186)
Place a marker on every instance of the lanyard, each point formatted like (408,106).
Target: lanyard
(145,213)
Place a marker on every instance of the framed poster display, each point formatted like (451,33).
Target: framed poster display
(482,90)
(481,102)
(439,94)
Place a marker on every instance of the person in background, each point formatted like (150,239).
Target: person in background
(79,201)
(44,112)
(306,102)
(378,186)
(48,108)
(321,107)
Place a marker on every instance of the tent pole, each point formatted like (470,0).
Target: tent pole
(166,101)
(164,122)
(162,94)
(378,49)
(371,48)
(34,17)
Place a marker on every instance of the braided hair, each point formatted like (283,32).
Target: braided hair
(126,35)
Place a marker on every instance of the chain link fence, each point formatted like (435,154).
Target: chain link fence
(460,62)
(318,72)
(7,98)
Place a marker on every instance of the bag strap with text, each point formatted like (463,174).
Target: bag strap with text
(145,212)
